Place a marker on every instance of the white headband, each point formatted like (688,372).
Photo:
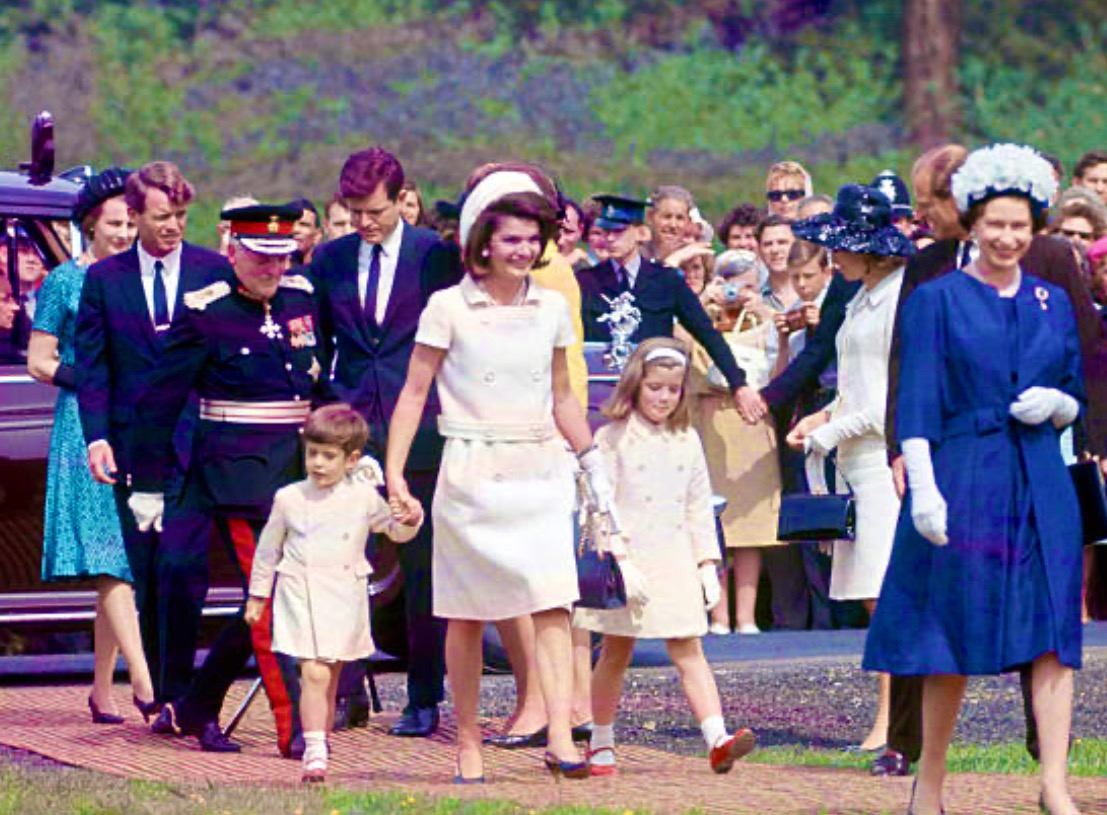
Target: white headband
(666,353)
(491,189)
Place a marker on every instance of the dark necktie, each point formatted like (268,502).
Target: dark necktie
(161,300)
(372,285)
(622,278)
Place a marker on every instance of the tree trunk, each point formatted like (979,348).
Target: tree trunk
(931,36)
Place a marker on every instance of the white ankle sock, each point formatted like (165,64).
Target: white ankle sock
(714,731)
(315,747)
(603,735)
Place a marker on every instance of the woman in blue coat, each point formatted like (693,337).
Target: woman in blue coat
(985,574)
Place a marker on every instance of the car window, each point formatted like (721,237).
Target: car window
(30,248)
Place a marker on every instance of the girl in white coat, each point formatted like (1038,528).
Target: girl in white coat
(315,542)
(667,549)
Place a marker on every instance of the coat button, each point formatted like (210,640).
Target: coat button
(497,477)
(296,398)
(489,434)
(536,376)
(244,351)
(489,378)
(288,366)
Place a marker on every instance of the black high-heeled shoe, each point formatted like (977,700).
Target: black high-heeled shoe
(100,717)
(576,770)
(148,709)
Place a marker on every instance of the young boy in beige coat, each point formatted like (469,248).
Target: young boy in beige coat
(315,541)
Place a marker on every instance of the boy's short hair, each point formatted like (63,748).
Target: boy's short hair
(337,424)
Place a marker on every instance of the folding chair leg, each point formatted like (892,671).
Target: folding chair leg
(374,697)
(242,708)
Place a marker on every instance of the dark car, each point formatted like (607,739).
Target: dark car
(35,237)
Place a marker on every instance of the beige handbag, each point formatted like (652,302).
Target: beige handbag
(750,349)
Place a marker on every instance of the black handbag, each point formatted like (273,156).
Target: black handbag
(1088,481)
(807,517)
(598,577)
(600,581)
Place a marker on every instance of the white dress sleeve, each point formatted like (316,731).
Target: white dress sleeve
(270,548)
(700,514)
(435,326)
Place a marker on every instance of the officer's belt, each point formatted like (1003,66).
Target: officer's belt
(496,431)
(226,410)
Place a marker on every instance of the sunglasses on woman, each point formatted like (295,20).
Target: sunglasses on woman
(785,195)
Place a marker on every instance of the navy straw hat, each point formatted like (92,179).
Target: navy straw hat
(102,186)
(861,222)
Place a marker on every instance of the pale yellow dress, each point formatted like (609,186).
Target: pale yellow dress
(742,459)
(664,500)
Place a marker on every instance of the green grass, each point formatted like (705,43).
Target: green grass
(1088,758)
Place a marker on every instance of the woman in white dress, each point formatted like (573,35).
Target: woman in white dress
(867,248)
(503,536)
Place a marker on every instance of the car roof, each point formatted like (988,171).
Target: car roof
(52,199)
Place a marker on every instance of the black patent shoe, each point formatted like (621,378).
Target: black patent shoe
(212,740)
(166,722)
(582,732)
(890,763)
(100,717)
(416,722)
(519,741)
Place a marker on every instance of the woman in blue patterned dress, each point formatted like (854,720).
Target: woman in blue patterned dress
(82,534)
(986,566)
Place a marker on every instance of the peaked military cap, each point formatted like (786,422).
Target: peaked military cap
(264,228)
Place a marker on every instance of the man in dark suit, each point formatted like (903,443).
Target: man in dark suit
(1052,261)
(371,287)
(659,293)
(128,304)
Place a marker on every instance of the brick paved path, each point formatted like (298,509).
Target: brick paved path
(52,721)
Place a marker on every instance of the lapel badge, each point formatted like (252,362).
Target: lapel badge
(1043,295)
(302,332)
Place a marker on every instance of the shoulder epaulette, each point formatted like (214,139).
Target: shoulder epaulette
(297,281)
(202,298)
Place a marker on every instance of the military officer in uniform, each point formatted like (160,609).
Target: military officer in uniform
(659,293)
(249,350)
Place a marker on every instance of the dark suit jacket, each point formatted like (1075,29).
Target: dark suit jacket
(117,349)
(370,368)
(802,374)
(661,294)
(1051,260)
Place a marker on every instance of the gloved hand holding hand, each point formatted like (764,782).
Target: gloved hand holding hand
(368,470)
(928,507)
(634,582)
(600,489)
(822,440)
(712,591)
(1035,405)
(148,509)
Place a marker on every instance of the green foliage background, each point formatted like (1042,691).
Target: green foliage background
(268,96)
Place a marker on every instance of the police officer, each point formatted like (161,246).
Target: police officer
(659,293)
(249,350)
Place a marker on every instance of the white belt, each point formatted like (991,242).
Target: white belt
(497,431)
(283,412)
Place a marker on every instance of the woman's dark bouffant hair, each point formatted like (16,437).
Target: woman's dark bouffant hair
(1039,216)
(527,206)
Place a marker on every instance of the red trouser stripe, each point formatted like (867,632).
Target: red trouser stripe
(245,544)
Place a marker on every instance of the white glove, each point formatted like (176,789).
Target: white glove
(928,507)
(148,509)
(634,582)
(600,489)
(814,467)
(1036,404)
(823,439)
(368,470)
(712,591)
